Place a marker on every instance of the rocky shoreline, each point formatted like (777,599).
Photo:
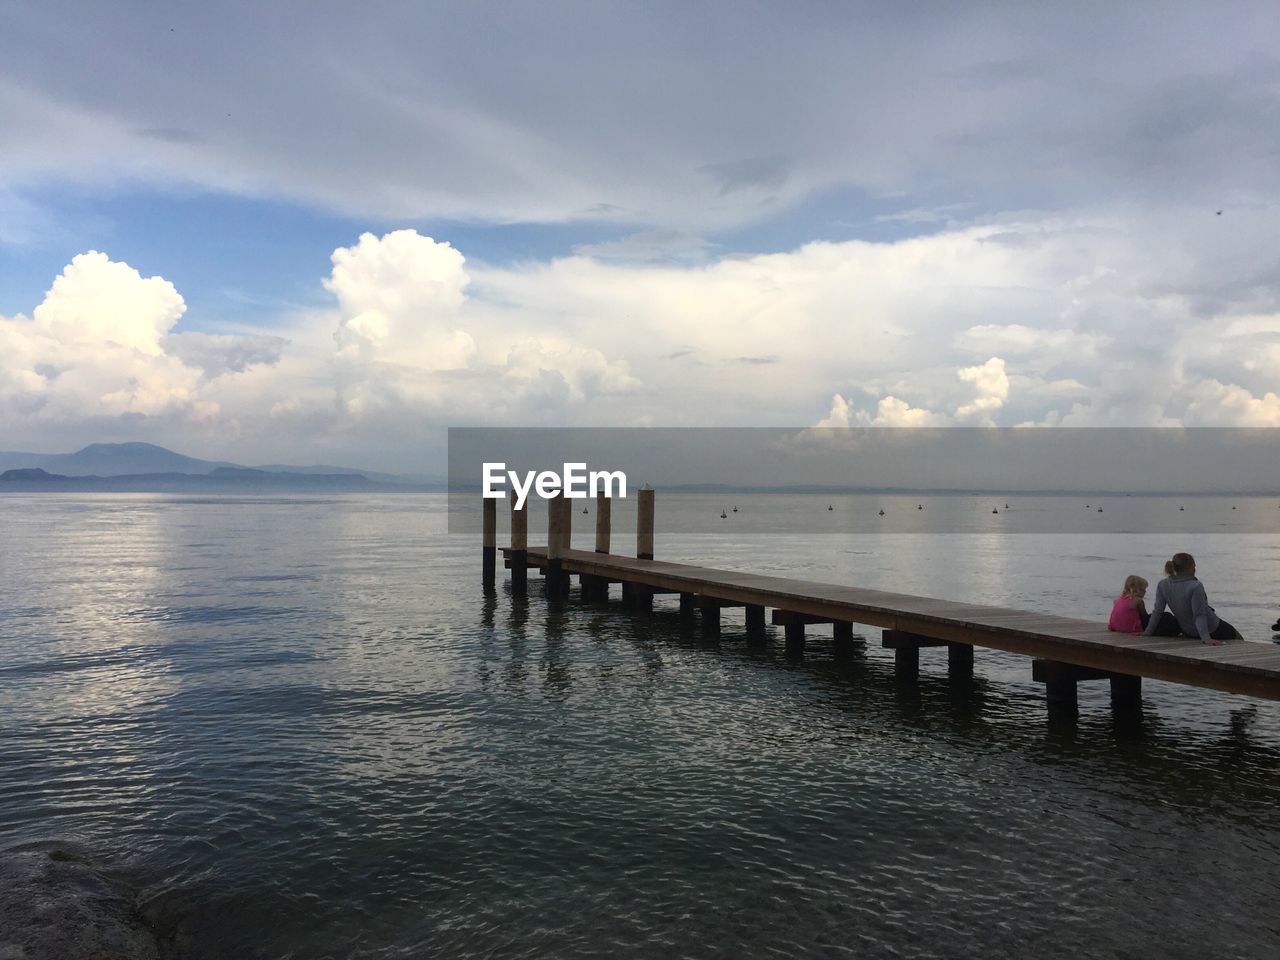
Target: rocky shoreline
(58,902)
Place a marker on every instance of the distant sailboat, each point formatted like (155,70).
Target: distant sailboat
(735,509)
(919,506)
(882,513)
(584,509)
(723,515)
(1182,508)
(830,507)
(994,510)
(1099,509)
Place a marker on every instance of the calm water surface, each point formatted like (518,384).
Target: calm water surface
(301,728)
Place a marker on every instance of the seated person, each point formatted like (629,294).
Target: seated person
(1190,614)
(1129,612)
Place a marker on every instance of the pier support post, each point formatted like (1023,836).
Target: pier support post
(906,652)
(1059,681)
(755,624)
(557,540)
(688,603)
(842,645)
(710,617)
(519,556)
(644,522)
(1126,692)
(960,662)
(794,633)
(489,548)
(604,522)
(906,664)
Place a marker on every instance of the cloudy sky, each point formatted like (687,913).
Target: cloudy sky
(322,232)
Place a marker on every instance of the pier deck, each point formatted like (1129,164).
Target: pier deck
(1065,649)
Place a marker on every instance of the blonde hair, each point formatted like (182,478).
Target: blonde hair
(1134,586)
(1180,563)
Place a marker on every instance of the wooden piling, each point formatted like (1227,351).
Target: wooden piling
(1126,692)
(644,523)
(906,652)
(755,624)
(597,588)
(1060,690)
(710,617)
(489,541)
(960,661)
(557,542)
(906,664)
(519,556)
(604,521)
(794,633)
(842,645)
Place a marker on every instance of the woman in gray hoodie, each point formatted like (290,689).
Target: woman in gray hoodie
(1189,611)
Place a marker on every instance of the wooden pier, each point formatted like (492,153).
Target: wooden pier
(1064,651)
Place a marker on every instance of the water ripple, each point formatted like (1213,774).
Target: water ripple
(302,732)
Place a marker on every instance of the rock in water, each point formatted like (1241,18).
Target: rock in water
(56,904)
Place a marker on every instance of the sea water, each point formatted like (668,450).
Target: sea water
(302,730)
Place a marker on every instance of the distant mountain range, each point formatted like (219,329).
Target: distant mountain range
(147,467)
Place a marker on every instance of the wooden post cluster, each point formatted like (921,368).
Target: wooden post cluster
(906,649)
(1060,680)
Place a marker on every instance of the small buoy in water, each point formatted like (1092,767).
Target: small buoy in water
(1099,509)
(1182,508)
(735,509)
(1006,506)
(919,506)
(1233,508)
(882,513)
(1086,506)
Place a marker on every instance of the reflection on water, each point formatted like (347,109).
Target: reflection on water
(308,732)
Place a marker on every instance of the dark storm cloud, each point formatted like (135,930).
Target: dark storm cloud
(768,173)
(665,115)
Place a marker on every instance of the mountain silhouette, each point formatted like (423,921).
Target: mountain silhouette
(135,458)
(145,467)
